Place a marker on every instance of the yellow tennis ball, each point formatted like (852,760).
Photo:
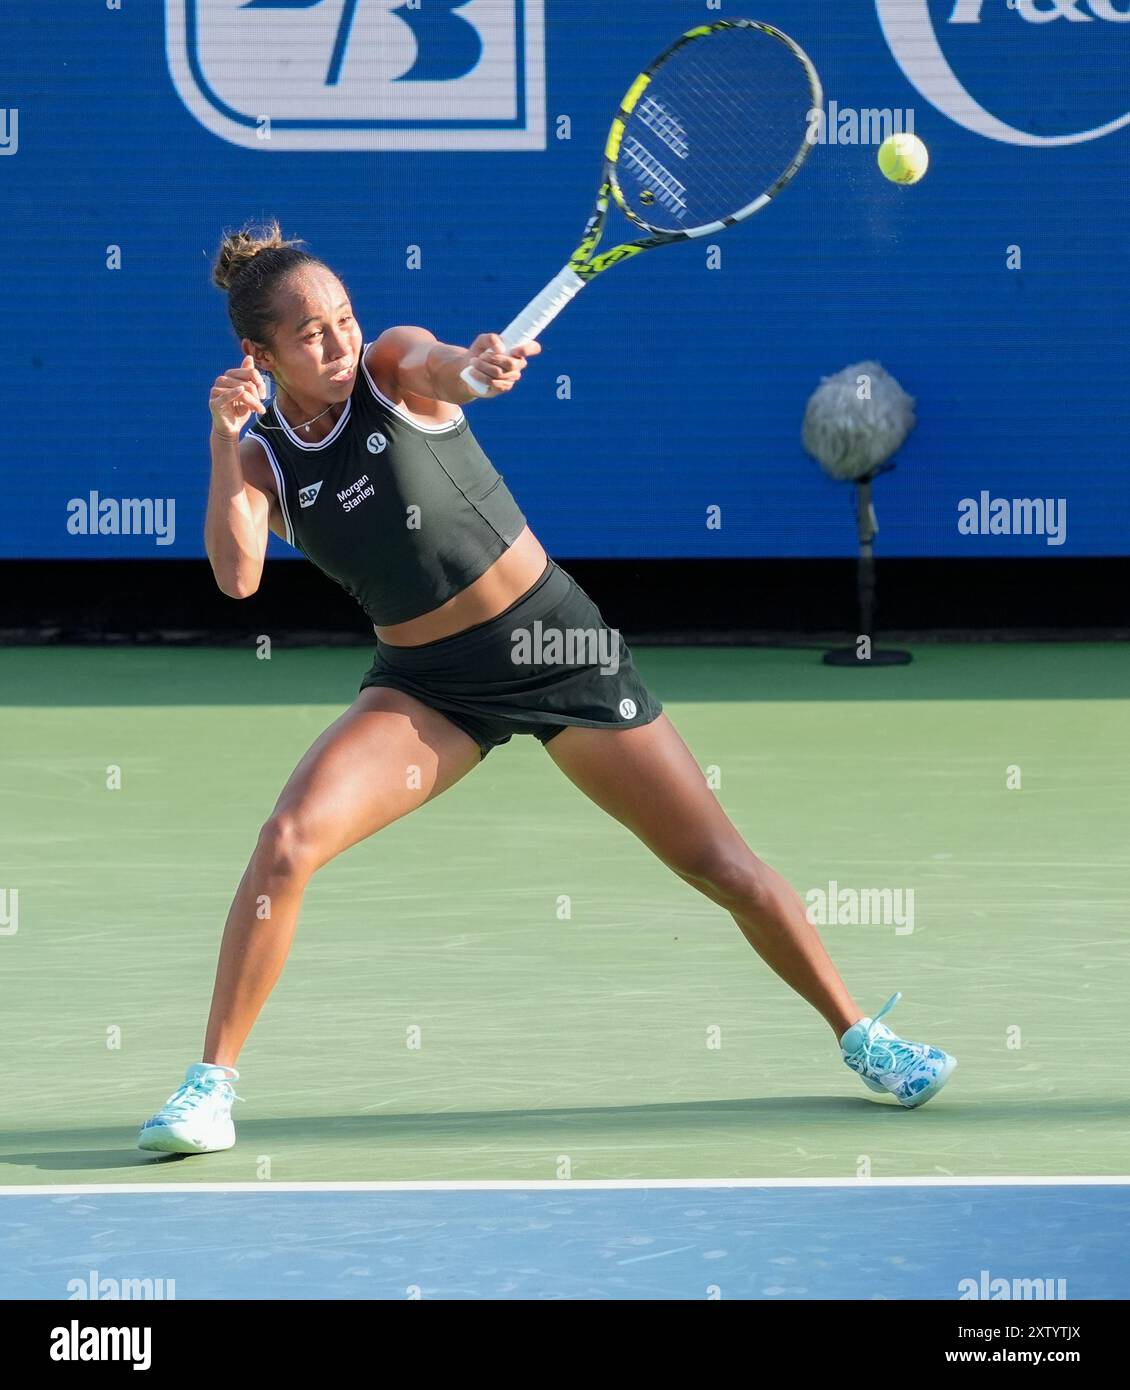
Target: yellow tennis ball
(903,158)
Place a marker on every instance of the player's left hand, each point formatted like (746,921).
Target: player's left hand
(488,357)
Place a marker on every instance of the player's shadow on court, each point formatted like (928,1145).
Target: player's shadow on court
(394,1139)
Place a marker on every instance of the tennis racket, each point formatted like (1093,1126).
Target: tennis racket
(706,136)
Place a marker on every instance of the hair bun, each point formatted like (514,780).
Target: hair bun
(239,249)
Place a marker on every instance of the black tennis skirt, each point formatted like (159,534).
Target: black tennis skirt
(549,661)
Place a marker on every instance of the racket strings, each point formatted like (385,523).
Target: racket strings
(720,123)
(754,100)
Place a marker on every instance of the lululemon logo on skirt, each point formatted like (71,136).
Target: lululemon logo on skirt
(627,709)
(376,443)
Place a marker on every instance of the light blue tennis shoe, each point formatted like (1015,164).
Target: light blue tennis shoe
(196,1118)
(911,1072)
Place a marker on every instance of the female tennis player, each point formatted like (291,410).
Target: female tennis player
(366,463)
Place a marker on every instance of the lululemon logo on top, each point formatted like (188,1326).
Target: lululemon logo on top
(627,709)
(376,443)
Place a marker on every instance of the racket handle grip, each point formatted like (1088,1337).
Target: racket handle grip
(534,318)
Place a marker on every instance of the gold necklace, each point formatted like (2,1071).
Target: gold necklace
(305,427)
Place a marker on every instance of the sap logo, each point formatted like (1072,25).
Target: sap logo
(913,40)
(308,495)
(362,74)
(969,11)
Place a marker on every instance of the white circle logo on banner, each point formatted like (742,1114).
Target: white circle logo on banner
(910,33)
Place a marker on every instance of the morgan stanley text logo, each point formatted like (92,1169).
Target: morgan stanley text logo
(914,40)
(362,74)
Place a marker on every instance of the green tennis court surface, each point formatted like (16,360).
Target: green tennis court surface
(582,1046)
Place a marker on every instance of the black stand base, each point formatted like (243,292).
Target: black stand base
(849,656)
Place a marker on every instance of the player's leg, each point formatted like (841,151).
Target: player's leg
(386,755)
(648,780)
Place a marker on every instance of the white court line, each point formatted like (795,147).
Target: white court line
(547,1185)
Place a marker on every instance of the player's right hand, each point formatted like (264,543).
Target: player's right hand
(488,358)
(234,396)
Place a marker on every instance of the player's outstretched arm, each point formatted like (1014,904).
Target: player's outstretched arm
(422,366)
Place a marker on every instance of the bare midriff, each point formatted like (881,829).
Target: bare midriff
(516,570)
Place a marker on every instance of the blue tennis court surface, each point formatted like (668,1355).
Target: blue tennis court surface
(545,1241)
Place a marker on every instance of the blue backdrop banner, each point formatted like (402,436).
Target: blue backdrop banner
(441,156)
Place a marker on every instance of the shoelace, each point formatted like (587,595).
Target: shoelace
(191,1093)
(890,1055)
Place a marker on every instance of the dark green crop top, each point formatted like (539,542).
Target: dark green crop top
(403,516)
